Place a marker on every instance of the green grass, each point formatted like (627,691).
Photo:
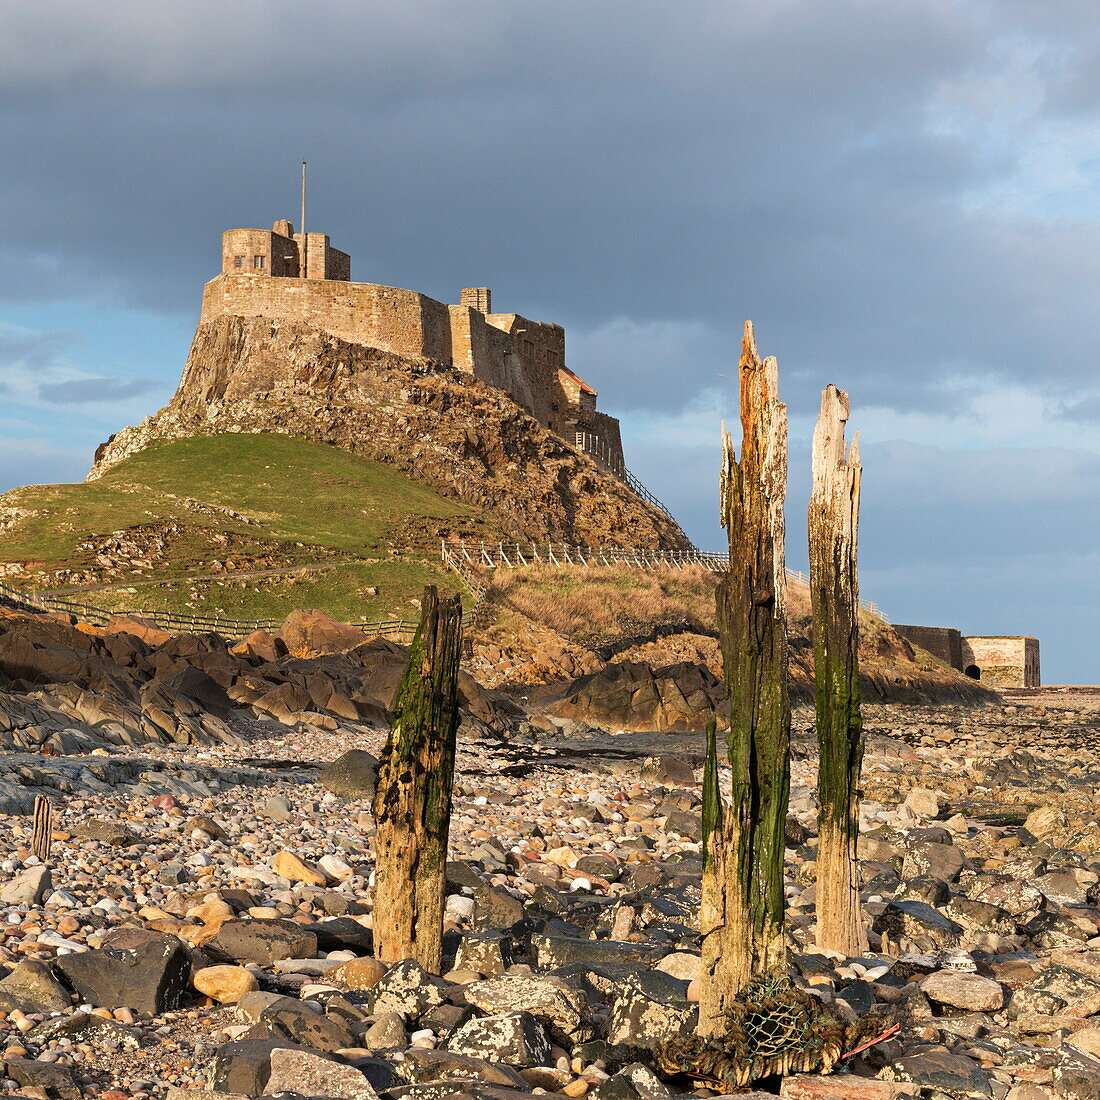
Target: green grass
(296,503)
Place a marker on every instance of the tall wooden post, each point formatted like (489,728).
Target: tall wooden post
(42,835)
(834,593)
(412,801)
(741,916)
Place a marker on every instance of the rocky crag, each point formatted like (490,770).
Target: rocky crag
(468,440)
(664,672)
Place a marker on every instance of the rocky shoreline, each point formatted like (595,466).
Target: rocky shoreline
(204,924)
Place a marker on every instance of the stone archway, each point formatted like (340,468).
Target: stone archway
(973,672)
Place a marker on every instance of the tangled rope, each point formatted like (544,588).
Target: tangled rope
(772,1027)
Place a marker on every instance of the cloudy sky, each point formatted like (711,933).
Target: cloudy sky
(902,195)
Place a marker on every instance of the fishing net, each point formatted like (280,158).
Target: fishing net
(773,1027)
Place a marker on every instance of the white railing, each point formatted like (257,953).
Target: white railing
(464,556)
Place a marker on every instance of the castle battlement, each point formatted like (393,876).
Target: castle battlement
(278,273)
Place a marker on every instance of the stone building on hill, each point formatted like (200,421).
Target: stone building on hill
(1000,660)
(281,274)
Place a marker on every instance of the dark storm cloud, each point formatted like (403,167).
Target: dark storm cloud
(902,195)
(82,391)
(591,162)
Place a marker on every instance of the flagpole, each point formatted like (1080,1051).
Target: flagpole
(304,265)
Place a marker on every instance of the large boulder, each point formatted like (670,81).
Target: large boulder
(32,987)
(516,1039)
(352,775)
(561,1005)
(308,1074)
(263,941)
(633,695)
(312,633)
(971,992)
(146,971)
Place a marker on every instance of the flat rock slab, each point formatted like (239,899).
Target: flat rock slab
(263,941)
(311,1075)
(837,1087)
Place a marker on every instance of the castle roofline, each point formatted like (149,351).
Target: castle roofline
(580,381)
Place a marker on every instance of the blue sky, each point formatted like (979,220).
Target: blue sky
(902,196)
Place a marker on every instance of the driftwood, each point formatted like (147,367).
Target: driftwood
(834,592)
(412,801)
(741,915)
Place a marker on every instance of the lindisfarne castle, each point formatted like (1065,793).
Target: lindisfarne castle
(284,275)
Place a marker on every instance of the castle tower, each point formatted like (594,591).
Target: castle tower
(477,297)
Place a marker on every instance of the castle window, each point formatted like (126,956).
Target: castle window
(258,263)
(238,261)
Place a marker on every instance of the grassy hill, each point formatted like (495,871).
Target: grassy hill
(170,527)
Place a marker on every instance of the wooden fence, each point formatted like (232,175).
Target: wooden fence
(514,555)
(394,629)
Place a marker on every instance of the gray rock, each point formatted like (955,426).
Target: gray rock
(553,951)
(436,1065)
(1061,888)
(244,1065)
(311,1075)
(971,992)
(110,833)
(979,916)
(27,887)
(1034,1002)
(951,1074)
(263,941)
(923,803)
(516,1039)
(645,1082)
(562,1006)
(495,908)
(386,1033)
(1021,899)
(83,1027)
(407,988)
(667,771)
(278,808)
(1077,994)
(32,987)
(644,1013)
(146,971)
(1077,1083)
(919,924)
(306,1026)
(485,953)
(57,1080)
(600,865)
(942,862)
(352,775)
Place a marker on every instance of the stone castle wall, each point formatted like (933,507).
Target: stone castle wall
(944,642)
(401,322)
(523,357)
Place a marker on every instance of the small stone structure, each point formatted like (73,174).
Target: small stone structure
(284,275)
(1003,660)
(944,642)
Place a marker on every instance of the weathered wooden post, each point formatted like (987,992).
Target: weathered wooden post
(834,593)
(741,916)
(42,834)
(412,801)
